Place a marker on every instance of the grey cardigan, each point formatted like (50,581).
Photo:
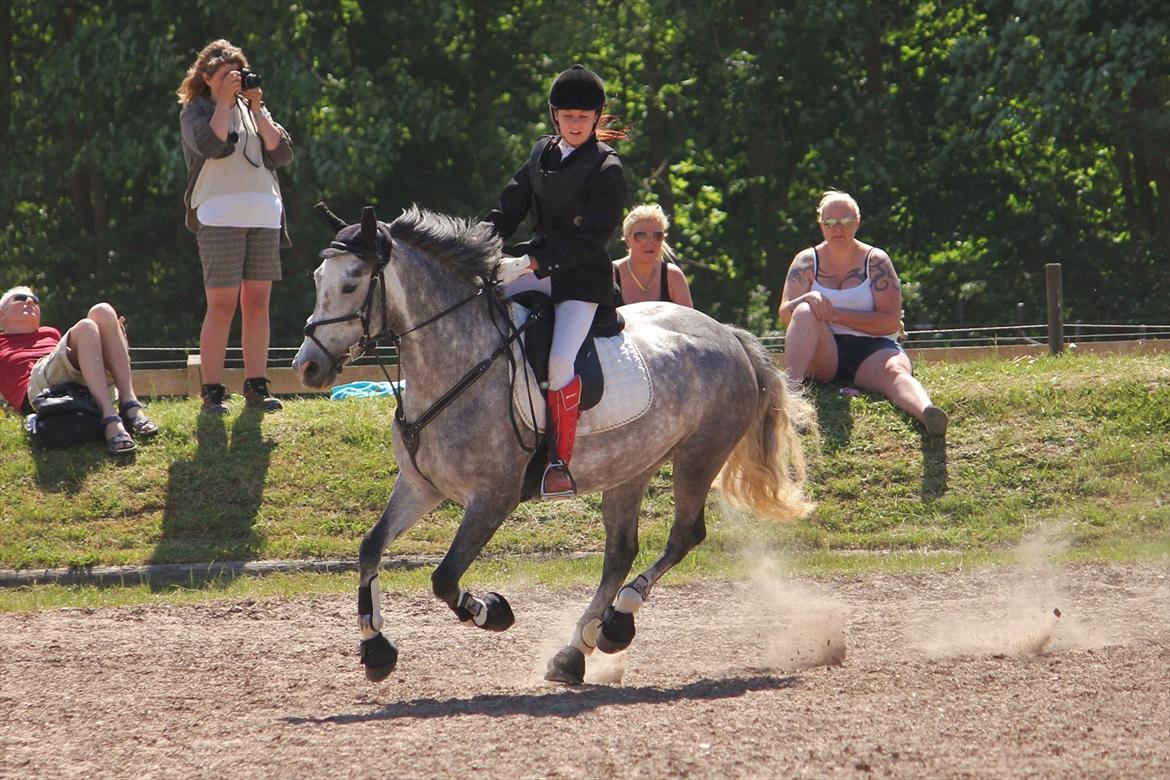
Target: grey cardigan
(200,143)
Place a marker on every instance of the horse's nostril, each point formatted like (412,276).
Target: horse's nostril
(310,366)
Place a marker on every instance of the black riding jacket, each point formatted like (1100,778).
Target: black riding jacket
(574,207)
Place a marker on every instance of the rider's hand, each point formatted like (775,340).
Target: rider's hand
(512,268)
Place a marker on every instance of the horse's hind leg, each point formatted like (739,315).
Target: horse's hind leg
(408,502)
(481,518)
(619,507)
(692,482)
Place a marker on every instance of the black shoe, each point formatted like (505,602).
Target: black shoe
(935,420)
(257,395)
(214,399)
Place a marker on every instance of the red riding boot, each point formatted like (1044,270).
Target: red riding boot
(564,406)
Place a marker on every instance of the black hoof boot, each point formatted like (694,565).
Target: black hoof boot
(617,631)
(567,666)
(379,657)
(499,617)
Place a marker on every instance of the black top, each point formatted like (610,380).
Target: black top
(663,287)
(575,206)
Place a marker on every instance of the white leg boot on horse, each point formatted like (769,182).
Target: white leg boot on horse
(564,407)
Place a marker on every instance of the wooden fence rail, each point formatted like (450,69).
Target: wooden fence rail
(186,381)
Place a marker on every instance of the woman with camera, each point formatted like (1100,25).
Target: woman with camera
(232,147)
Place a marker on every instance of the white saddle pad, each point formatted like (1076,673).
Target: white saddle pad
(628,390)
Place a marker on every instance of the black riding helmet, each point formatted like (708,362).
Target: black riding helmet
(578,87)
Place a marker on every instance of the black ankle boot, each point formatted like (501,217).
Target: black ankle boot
(257,395)
(214,399)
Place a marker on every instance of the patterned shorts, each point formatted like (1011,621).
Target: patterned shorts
(230,254)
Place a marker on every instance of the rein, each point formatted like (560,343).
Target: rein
(411,431)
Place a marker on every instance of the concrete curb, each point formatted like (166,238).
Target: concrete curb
(199,573)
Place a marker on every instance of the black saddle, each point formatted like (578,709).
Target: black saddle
(538,341)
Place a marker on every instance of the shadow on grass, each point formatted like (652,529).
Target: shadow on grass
(212,499)
(65,469)
(836,424)
(934,466)
(561,702)
(833,417)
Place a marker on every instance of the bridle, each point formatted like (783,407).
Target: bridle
(379,258)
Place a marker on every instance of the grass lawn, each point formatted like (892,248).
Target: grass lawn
(1074,449)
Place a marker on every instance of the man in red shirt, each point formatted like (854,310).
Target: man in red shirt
(93,352)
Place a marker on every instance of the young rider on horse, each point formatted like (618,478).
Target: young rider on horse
(573,188)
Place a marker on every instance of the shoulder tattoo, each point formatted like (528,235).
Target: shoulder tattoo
(882,273)
(800,271)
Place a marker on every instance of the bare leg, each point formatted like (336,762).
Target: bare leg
(809,348)
(255,327)
(85,352)
(217,324)
(115,351)
(888,372)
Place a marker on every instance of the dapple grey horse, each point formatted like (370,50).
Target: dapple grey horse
(427,282)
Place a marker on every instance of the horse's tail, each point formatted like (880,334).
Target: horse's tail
(765,472)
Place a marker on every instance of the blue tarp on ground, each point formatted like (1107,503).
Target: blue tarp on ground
(365,389)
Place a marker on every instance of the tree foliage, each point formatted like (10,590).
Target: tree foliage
(982,139)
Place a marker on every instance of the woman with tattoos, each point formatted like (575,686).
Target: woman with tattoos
(842,304)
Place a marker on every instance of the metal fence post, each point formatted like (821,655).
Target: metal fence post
(1055,306)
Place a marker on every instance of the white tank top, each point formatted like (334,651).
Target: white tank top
(859,298)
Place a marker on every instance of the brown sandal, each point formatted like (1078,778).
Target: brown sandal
(120,443)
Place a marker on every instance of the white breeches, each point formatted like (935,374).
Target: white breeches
(574,319)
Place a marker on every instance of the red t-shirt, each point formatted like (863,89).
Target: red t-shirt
(18,353)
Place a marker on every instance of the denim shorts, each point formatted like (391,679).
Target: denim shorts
(853,350)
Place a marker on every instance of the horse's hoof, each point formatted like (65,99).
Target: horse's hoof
(499,617)
(379,656)
(567,666)
(617,631)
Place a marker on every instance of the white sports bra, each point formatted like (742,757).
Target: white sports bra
(859,298)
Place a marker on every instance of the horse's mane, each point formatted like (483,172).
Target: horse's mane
(471,248)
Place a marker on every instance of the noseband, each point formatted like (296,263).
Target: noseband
(378,259)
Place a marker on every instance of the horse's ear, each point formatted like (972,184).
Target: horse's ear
(335,222)
(369,226)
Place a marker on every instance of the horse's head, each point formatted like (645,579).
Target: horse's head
(350,307)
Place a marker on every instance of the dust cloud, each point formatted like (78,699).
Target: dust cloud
(1025,610)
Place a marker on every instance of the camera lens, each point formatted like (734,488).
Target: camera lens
(249,80)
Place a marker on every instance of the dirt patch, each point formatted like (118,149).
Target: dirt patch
(936,677)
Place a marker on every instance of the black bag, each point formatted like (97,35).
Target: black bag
(66,414)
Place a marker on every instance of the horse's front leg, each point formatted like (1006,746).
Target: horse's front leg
(409,501)
(481,518)
(619,508)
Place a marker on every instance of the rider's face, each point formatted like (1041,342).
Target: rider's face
(575,124)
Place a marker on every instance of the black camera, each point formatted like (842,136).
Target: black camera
(249,79)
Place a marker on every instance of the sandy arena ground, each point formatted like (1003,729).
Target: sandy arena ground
(934,676)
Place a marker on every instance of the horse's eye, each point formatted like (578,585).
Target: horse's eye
(346,289)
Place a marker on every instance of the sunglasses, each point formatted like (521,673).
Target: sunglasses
(642,236)
(843,222)
(21,297)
